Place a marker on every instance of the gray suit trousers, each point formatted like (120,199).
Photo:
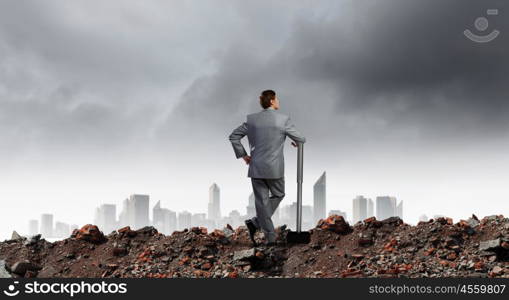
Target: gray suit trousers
(266,204)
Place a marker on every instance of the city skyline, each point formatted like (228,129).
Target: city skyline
(136,209)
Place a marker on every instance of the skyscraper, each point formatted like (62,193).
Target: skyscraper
(158,217)
(123,218)
(289,214)
(385,207)
(234,218)
(214,208)
(198,220)
(170,219)
(399,210)
(135,211)
(33,227)
(106,218)
(360,208)
(165,220)
(251,209)
(62,230)
(47,225)
(308,219)
(184,220)
(371,211)
(140,208)
(319,198)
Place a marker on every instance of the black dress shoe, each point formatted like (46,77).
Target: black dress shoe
(252,230)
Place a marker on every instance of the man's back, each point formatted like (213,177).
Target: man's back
(266,132)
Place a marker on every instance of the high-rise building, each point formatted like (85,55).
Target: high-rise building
(360,209)
(139,204)
(386,207)
(158,218)
(135,212)
(214,207)
(198,219)
(33,227)
(106,218)
(308,220)
(170,218)
(164,220)
(184,220)
(251,209)
(289,214)
(399,209)
(123,218)
(47,225)
(371,211)
(62,230)
(319,198)
(235,219)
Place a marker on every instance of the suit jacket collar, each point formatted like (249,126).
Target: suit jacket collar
(270,108)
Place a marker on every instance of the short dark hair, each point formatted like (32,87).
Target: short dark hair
(265,98)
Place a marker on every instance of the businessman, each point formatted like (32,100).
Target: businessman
(266,132)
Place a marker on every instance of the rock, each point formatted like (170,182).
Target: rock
(473,221)
(228,231)
(16,237)
(120,251)
(147,230)
(218,234)
(33,240)
(199,230)
(21,267)
(244,254)
(124,229)
(335,223)
(3,271)
(490,245)
(90,233)
(497,270)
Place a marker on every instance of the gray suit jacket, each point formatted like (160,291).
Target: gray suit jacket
(266,132)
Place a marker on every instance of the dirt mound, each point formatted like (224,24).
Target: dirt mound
(372,248)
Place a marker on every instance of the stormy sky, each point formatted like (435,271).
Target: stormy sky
(99,100)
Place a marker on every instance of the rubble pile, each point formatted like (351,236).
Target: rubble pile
(371,248)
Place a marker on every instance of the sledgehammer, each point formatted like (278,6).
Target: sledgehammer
(299,236)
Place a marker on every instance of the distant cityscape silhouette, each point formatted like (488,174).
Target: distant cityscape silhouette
(135,213)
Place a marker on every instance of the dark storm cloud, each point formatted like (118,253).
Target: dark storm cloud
(380,71)
(92,74)
(391,72)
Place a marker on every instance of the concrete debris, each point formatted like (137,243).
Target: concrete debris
(89,233)
(3,271)
(335,224)
(16,237)
(22,267)
(370,248)
(244,254)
